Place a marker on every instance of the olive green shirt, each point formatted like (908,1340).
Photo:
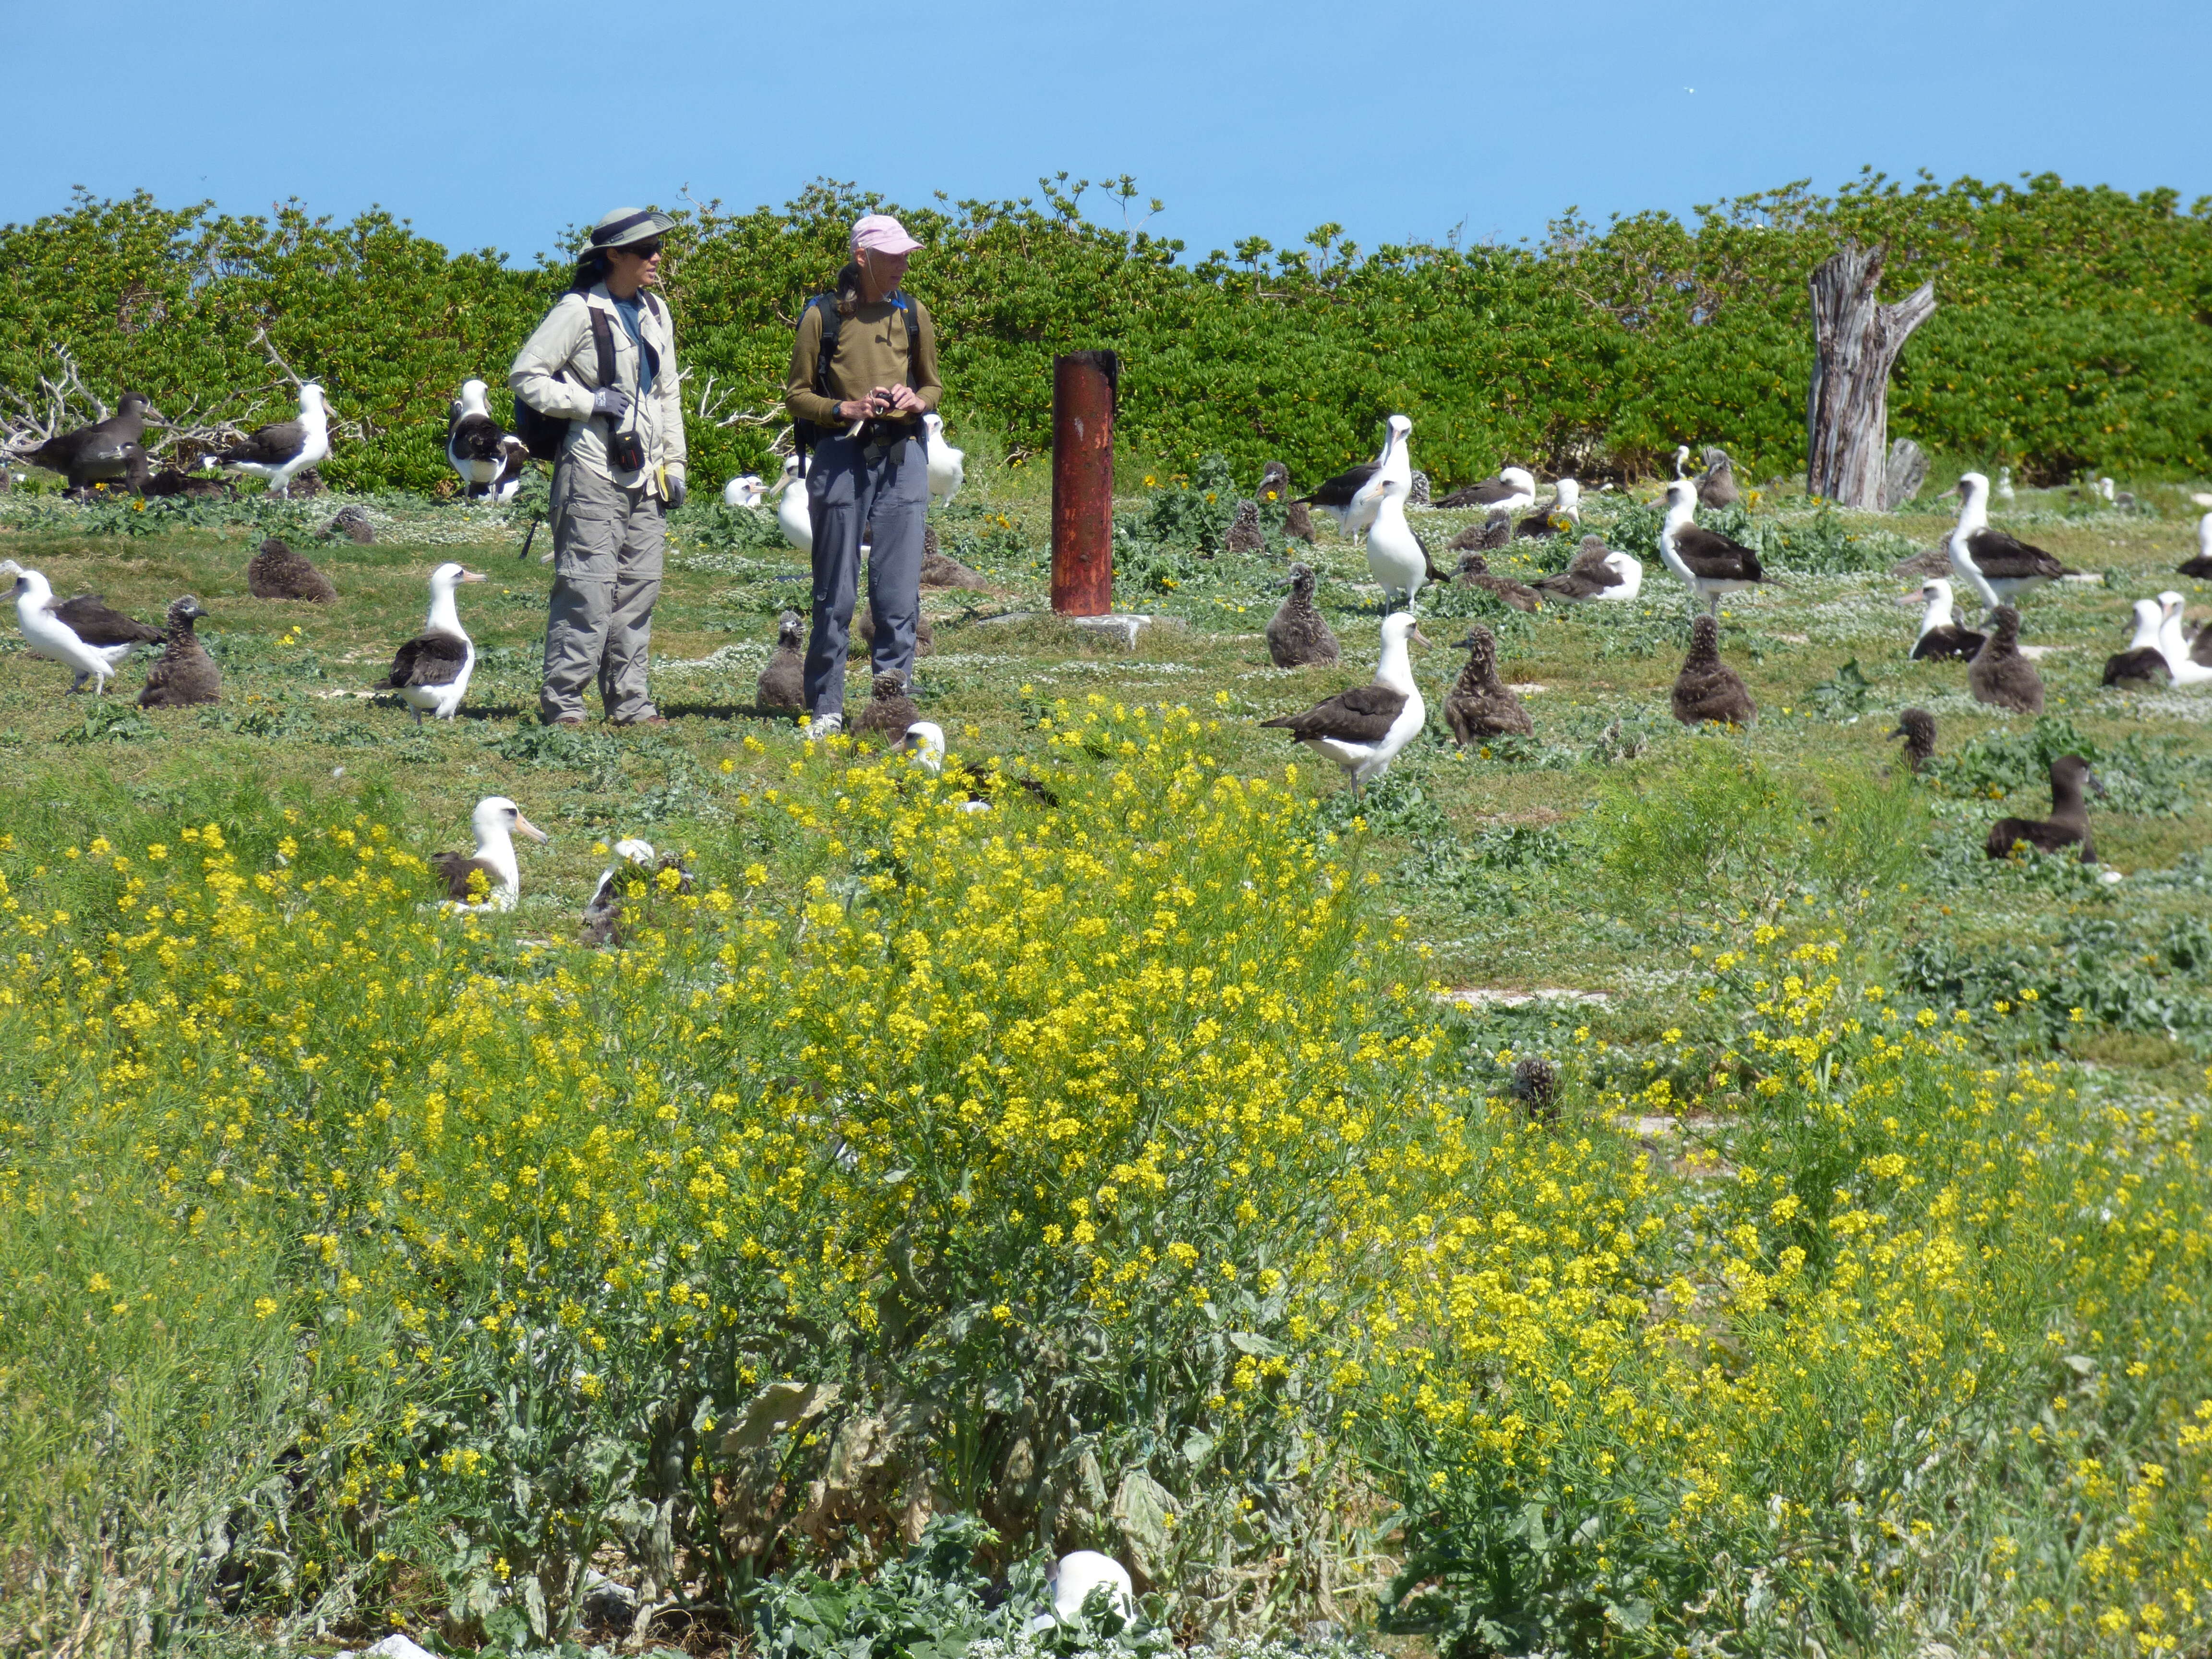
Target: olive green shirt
(872,351)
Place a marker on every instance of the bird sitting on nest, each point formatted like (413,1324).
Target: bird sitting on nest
(782,688)
(889,709)
(490,460)
(81,634)
(1560,517)
(862,639)
(1707,689)
(2201,566)
(1993,566)
(1587,577)
(744,491)
(1999,675)
(1298,636)
(1511,491)
(184,674)
(943,570)
(1479,705)
(1243,535)
(2188,658)
(2143,663)
(1917,727)
(492,878)
(351,522)
(1275,486)
(631,879)
(431,671)
(1942,639)
(1708,562)
(283,450)
(2067,824)
(1483,536)
(1074,1579)
(1363,729)
(275,572)
(110,451)
(1475,571)
(1717,483)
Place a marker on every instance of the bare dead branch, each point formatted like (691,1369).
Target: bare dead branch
(712,408)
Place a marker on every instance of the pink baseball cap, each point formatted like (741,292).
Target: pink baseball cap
(883,235)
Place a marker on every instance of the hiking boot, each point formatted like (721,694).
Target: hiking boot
(645,719)
(822,725)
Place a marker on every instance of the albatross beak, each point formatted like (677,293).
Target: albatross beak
(1418,637)
(1907,600)
(529,830)
(474,576)
(2095,783)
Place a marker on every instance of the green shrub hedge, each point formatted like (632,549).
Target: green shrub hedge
(2074,329)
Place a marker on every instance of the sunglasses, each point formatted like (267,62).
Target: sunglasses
(642,250)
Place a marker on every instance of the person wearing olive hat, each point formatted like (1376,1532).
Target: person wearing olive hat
(620,468)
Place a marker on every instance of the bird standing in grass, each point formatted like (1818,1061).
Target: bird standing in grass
(1396,557)
(107,451)
(947,465)
(185,674)
(431,671)
(1707,689)
(1717,483)
(81,634)
(283,450)
(2067,824)
(2188,659)
(793,514)
(1994,567)
(1363,729)
(1298,636)
(1354,497)
(488,458)
(1917,727)
(1479,705)
(492,878)
(1708,562)
(782,683)
(1999,675)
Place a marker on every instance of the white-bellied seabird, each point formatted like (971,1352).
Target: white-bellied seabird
(888,708)
(1709,563)
(1354,497)
(1586,577)
(184,674)
(489,459)
(1560,516)
(1396,557)
(924,746)
(2201,566)
(2067,824)
(275,572)
(80,633)
(1999,676)
(794,516)
(1707,689)
(1917,727)
(1511,491)
(431,671)
(744,490)
(1298,636)
(946,471)
(1074,1577)
(1682,460)
(282,450)
(1717,483)
(492,879)
(2189,662)
(1941,637)
(1630,569)
(1475,571)
(2143,663)
(105,452)
(1479,705)
(1363,729)
(2006,493)
(782,689)
(603,910)
(1993,566)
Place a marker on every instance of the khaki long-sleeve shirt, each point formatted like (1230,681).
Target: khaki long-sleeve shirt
(563,346)
(872,351)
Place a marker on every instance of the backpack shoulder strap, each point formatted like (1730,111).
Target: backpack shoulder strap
(826,304)
(603,341)
(909,308)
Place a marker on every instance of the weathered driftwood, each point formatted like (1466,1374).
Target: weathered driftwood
(1906,471)
(1855,340)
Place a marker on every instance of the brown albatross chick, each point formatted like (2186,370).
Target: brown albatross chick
(2069,821)
(1917,727)
(1487,537)
(184,674)
(1475,571)
(889,709)
(1707,689)
(782,682)
(275,572)
(1999,675)
(1298,635)
(1479,705)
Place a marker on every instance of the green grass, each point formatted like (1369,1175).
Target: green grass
(1569,891)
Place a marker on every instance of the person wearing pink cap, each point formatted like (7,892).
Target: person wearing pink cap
(863,373)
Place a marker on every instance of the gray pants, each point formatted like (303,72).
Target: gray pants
(848,487)
(607,550)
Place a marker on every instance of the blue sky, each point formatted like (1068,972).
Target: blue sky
(499,124)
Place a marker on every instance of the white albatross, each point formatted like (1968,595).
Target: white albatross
(794,515)
(492,879)
(80,633)
(281,451)
(1072,1580)
(947,468)
(1363,729)
(1991,565)
(2182,655)
(1354,496)
(744,490)
(1396,555)
(431,671)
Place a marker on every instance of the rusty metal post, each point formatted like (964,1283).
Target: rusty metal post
(1084,395)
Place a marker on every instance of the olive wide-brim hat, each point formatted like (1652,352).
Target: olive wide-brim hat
(626,225)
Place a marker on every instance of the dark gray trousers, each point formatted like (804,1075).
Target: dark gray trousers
(848,487)
(607,549)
